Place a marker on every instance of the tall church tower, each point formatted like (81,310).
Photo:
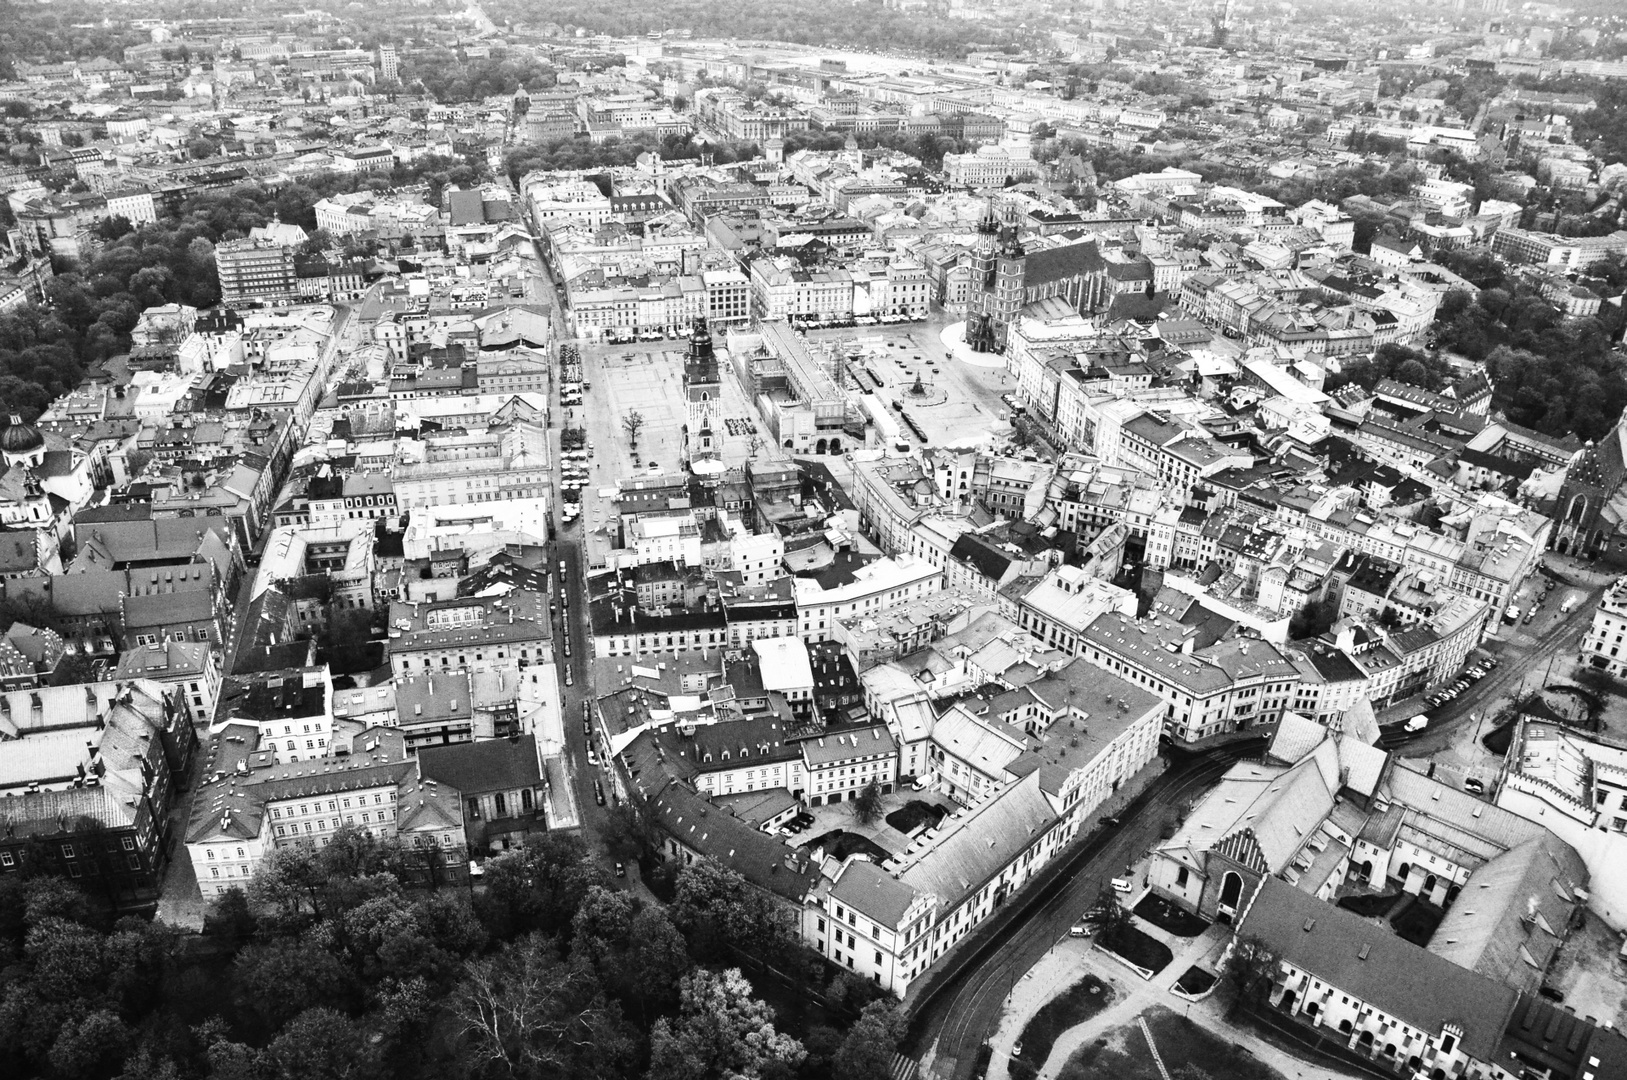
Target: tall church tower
(702,392)
(999,266)
(979,329)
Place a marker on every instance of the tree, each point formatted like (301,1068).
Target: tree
(321,1044)
(91,1045)
(538,887)
(1314,619)
(633,423)
(867,807)
(717,908)
(345,642)
(278,979)
(627,832)
(720,1030)
(72,670)
(525,1013)
(1107,914)
(637,953)
(870,1045)
(1251,967)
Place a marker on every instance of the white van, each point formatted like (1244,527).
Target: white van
(1123,886)
(1419,722)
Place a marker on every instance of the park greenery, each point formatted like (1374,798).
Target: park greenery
(1389,361)
(329,966)
(449,79)
(586,155)
(1554,374)
(46,349)
(867,25)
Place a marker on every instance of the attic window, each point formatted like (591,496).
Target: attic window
(1365,949)
(1310,924)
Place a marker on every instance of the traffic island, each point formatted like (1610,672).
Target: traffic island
(1125,1053)
(1084,999)
(1135,950)
(1169,916)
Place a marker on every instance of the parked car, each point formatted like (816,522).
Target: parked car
(593,758)
(621,871)
(598,793)
(1079,929)
(1123,886)
(1474,786)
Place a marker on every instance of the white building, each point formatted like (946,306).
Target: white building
(877,585)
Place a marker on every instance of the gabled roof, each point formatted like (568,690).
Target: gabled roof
(486,765)
(1354,956)
(985,842)
(867,889)
(716,834)
(1512,913)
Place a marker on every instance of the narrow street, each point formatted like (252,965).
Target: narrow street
(956,1009)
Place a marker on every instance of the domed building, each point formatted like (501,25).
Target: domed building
(21,444)
(46,478)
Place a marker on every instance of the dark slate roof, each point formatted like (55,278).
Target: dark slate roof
(1371,963)
(487,765)
(465,207)
(986,558)
(1548,1037)
(1061,263)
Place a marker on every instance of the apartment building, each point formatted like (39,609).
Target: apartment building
(821,602)
(1227,686)
(501,631)
(249,805)
(1605,645)
(96,769)
(890,923)
(256,271)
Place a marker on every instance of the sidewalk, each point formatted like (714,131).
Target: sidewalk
(1073,958)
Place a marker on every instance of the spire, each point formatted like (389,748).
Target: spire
(990,225)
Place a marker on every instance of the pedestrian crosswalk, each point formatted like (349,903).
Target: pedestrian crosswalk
(905,1068)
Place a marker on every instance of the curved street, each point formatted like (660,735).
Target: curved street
(955,1011)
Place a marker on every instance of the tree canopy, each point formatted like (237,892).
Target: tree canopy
(335,965)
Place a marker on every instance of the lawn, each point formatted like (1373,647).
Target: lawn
(913,814)
(840,843)
(1498,739)
(1079,1003)
(1369,906)
(1123,1054)
(1170,917)
(1136,947)
(1194,981)
(1416,922)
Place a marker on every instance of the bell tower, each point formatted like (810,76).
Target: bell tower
(703,389)
(979,327)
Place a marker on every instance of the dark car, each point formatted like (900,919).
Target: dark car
(598,793)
